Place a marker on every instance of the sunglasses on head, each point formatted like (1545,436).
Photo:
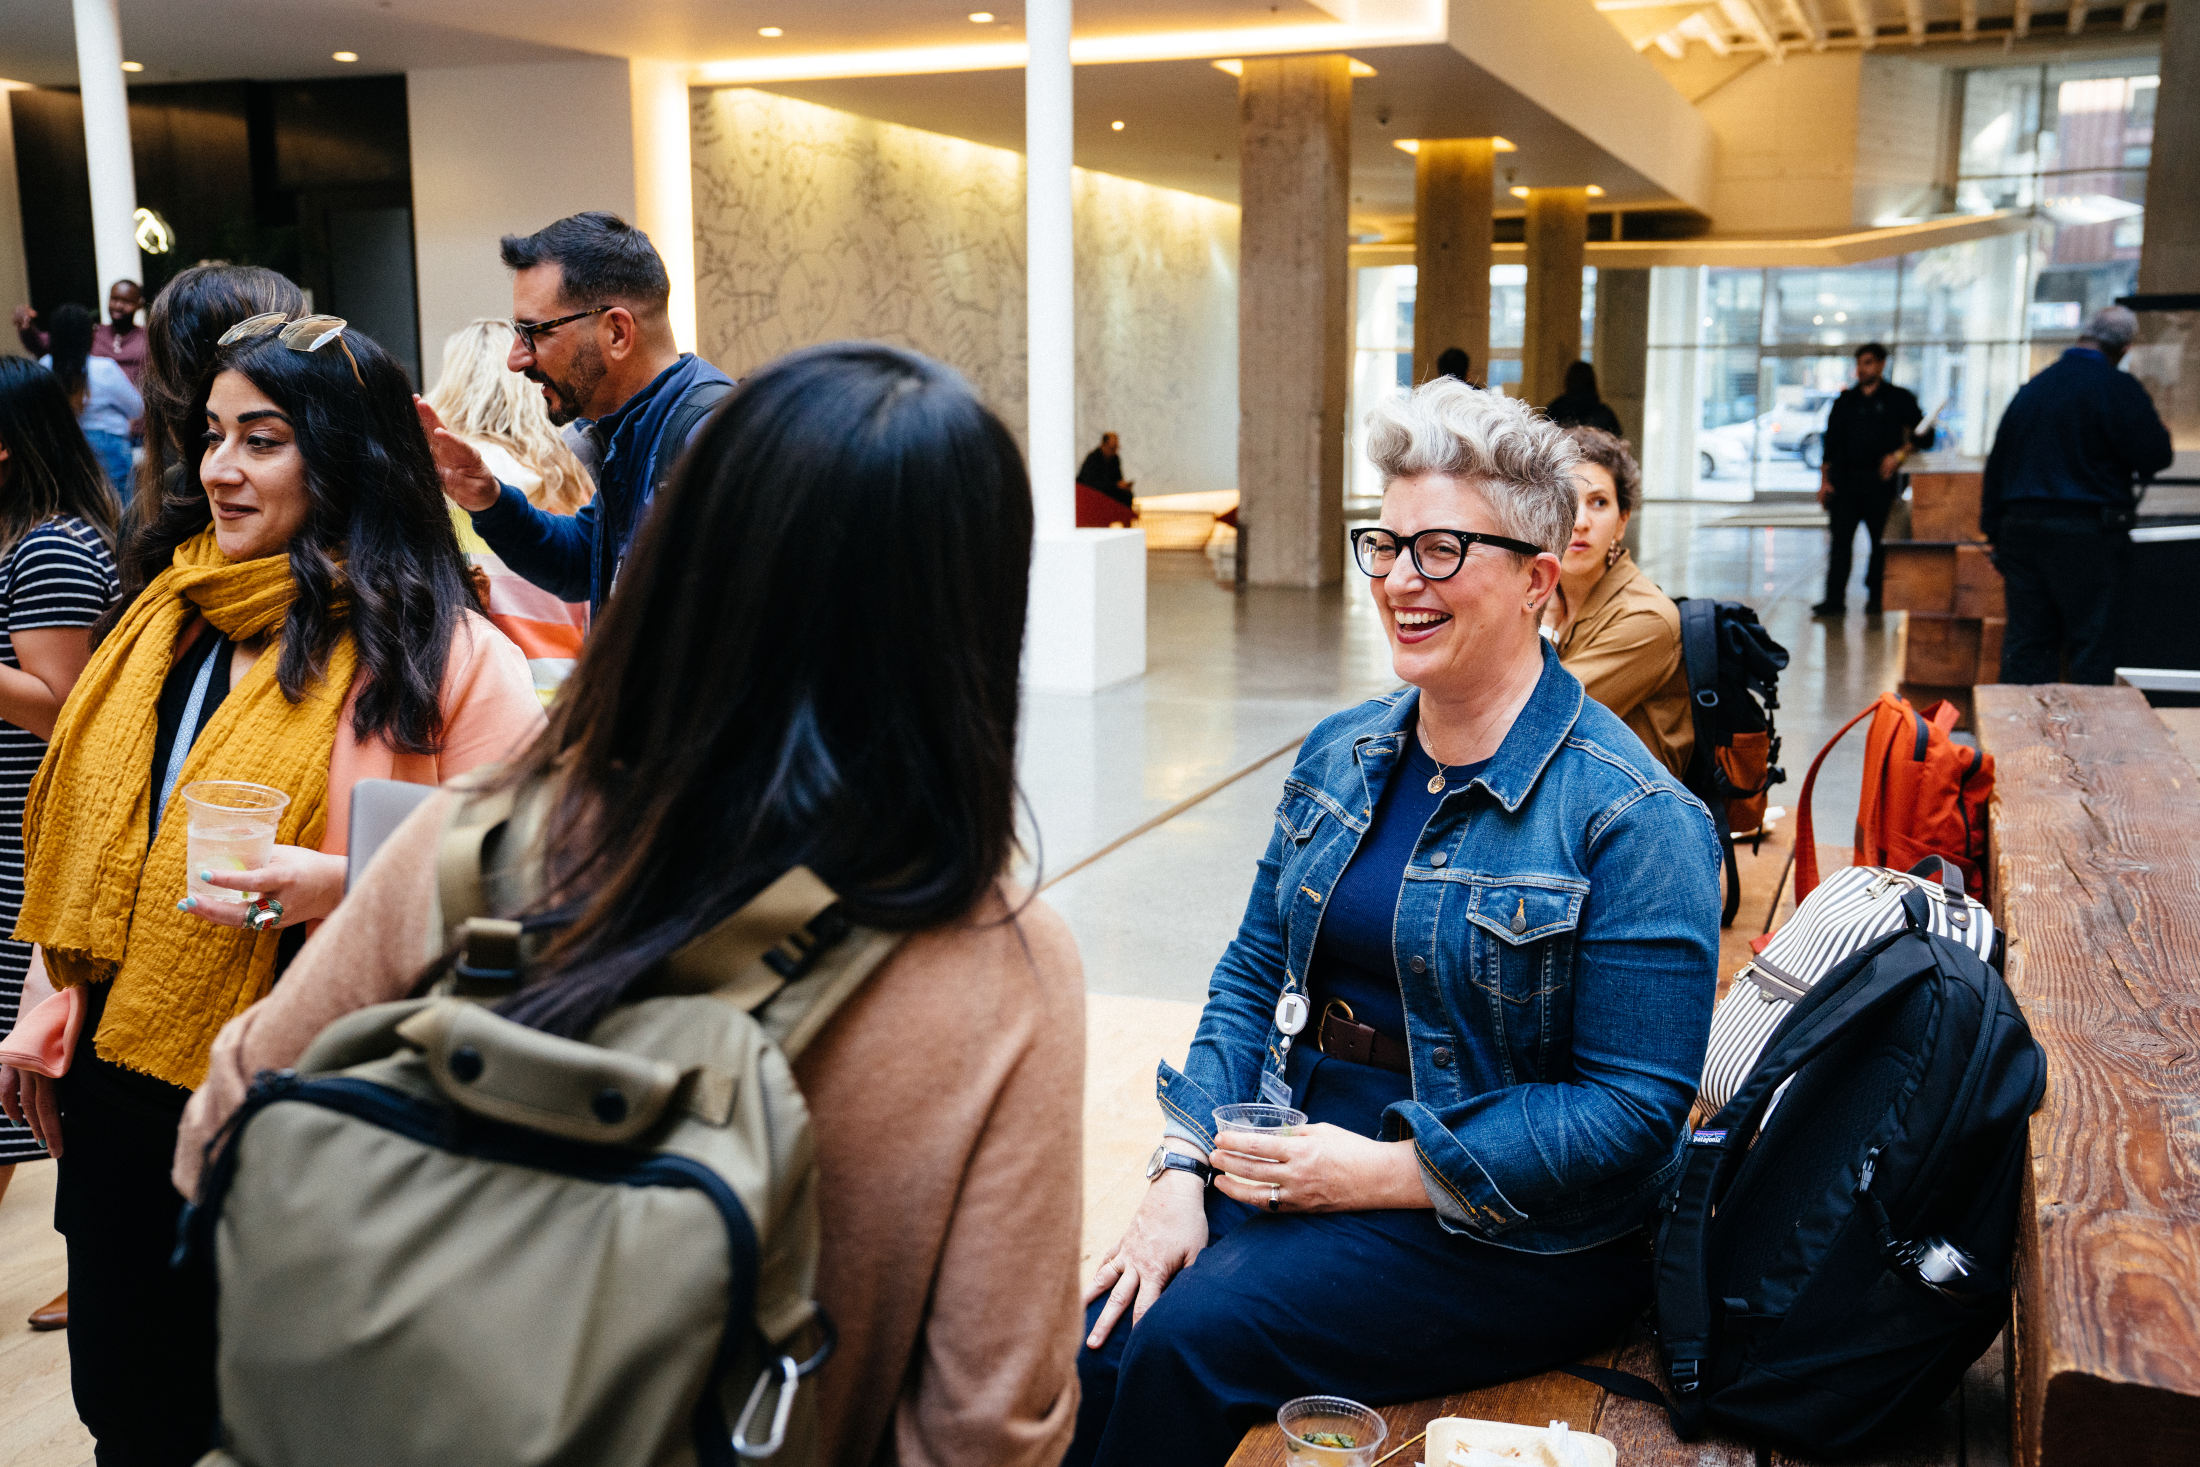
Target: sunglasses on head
(307,333)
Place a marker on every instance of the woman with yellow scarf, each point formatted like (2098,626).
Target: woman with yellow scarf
(296,614)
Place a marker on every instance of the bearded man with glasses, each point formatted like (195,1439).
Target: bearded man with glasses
(591,326)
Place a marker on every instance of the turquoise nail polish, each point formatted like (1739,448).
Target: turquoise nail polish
(187,904)
(207,875)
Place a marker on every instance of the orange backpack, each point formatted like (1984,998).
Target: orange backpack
(1924,795)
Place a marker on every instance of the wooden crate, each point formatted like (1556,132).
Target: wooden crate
(1989,650)
(1940,649)
(1920,575)
(1925,695)
(1977,590)
(1944,506)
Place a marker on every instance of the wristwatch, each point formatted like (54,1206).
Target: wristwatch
(1165,1160)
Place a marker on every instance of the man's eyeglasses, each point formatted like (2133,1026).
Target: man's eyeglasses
(1437,554)
(307,333)
(527,331)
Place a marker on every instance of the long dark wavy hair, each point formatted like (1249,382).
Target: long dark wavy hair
(812,658)
(50,470)
(376,554)
(185,320)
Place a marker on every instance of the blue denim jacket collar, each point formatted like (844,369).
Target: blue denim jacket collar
(1526,751)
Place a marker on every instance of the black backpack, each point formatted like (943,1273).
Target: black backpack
(1734,671)
(1835,1269)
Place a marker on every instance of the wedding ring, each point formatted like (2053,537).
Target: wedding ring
(1275,1197)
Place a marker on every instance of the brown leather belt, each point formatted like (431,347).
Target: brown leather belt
(1342,1037)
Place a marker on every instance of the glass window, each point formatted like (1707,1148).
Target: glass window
(1836,307)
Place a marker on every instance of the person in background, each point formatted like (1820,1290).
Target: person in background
(117,338)
(1479,953)
(2058,504)
(1871,431)
(1614,629)
(1103,470)
(186,321)
(295,614)
(743,707)
(591,327)
(106,401)
(500,415)
(1579,406)
(58,516)
(1453,362)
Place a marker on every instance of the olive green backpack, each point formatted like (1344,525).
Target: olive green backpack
(446,1237)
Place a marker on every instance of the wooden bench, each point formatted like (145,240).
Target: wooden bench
(2096,849)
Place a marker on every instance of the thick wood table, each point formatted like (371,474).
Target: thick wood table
(2096,849)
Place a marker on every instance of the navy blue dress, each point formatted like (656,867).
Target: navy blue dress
(1377,1306)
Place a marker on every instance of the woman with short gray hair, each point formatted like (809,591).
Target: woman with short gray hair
(1479,957)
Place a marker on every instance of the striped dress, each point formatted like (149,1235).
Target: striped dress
(59,575)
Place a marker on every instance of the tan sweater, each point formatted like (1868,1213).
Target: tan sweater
(1625,646)
(947,1099)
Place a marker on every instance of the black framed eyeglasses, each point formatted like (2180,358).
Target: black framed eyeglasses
(527,331)
(1437,554)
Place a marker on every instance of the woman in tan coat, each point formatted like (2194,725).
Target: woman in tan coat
(812,659)
(1614,629)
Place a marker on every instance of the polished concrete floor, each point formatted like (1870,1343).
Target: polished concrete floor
(1235,681)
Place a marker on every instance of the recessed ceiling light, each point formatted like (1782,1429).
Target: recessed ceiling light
(770,32)
(133,66)
(346,56)
(1518,190)
(981,17)
(1115,126)
(1596,190)
(1413,145)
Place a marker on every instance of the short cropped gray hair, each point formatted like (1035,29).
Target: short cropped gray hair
(1511,454)
(2112,326)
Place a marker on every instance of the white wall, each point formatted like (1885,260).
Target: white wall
(500,150)
(15,280)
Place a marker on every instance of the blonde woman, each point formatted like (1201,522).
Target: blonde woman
(501,414)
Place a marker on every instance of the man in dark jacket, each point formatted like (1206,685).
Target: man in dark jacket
(2058,504)
(591,327)
(1871,431)
(1103,470)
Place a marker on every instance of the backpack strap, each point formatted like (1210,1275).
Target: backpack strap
(1806,847)
(1700,655)
(680,423)
(486,948)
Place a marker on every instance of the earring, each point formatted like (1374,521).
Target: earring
(1611,556)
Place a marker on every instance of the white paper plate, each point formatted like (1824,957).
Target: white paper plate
(1446,1432)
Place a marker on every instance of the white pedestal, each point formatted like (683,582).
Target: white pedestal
(1087,623)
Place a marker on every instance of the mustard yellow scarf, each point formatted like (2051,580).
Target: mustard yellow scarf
(102,905)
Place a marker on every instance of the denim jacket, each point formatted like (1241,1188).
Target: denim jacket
(1562,908)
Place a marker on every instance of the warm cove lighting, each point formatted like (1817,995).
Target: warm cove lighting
(1235,65)
(1184,45)
(1413,145)
(1520,191)
(343,56)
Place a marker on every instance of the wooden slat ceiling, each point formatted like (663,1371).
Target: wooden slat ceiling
(1776,27)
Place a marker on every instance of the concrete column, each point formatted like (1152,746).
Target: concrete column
(2169,256)
(1086,627)
(1451,251)
(1294,167)
(1558,244)
(15,274)
(107,143)
(1622,359)
(664,181)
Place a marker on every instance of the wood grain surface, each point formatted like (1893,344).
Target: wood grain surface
(2096,844)
(1945,506)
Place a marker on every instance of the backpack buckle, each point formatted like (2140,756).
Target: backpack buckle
(1685,1376)
(794,957)
(488,950)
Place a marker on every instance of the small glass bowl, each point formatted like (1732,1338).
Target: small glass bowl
(1325,1414)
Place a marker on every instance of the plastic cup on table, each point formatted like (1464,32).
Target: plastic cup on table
(1314,1427)
(232,828)
(1276,1120)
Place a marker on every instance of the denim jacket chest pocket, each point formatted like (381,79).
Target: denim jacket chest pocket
(1522,964)
(1307,821)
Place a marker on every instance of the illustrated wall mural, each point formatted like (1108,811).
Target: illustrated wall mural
(814,225)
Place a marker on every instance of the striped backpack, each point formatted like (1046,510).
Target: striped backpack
(1851,909)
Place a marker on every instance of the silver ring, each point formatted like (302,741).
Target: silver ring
(1275,1196)
(265,913)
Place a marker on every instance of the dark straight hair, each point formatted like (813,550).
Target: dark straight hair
(812,658)
(69,345)
(50,470)
(376,555)
(187,318)
(601,260)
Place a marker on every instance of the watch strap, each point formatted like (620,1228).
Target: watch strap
(1177,1161)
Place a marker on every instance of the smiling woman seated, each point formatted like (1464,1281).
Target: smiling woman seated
(1480,954)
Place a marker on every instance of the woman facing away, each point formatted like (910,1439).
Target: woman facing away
(1614,629)
(106,403)
(183,329)
(812,658)
(296,614)
(501,414)
(57,575)
(1479,954)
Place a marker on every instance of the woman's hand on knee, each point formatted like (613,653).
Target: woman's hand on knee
(1166,1233)
(1319,1168)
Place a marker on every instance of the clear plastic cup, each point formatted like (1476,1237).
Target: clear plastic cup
(1276,1120)
(232,828)
(1313,1425)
